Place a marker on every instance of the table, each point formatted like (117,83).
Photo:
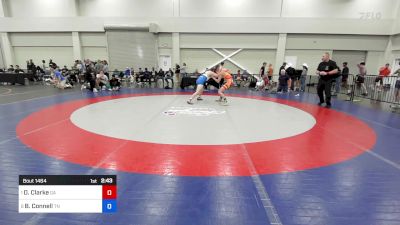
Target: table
(188,81)
(13,78)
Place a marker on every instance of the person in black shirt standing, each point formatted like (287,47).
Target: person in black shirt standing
(262,70)
(345,76)
(327,70)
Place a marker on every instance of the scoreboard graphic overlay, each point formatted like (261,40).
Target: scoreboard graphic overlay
(67,194)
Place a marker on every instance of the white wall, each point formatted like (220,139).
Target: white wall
(94,45)
(204,25)
(165,40)
(41,39)
(208,16)
(205,8)
(266,41)
(41,8)
(311,57)
(230,8)
(337,42)
(257,48)
(38,46)
(198,58)
(374,61)
(301,44)
(396,42)
(356,9)
(97,39)
(2,65)
(94,53)
(352,58)
(126,8)
(60,55)
(251,59)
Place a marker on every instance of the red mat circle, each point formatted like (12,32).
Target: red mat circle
(336,137)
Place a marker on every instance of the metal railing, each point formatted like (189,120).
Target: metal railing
(357,87)
(371,87)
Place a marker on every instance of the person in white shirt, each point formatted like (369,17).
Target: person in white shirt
(102,81)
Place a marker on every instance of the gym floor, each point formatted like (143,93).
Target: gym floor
(262,159)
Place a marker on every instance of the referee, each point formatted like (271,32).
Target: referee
(327,70)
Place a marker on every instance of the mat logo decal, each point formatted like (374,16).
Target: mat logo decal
(192,111)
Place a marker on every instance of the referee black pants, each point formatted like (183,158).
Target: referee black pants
(324,86)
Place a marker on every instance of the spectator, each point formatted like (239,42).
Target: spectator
(238,79)
(60,80)
(303,77)
(270,72)
(245,75)
(102,81)
(160,76)
(127,72)
(132,75)
(168,78)
(18,70)
(345,77)
(89,79)
(82,67)
(362,72)
(98,67)
(40,70)
(65,70)
(132,71)
(52,64)
(161,73)
(291,72)
(183,70)
(262,70)
(117,74)
(115,84)
(397,89)
(89,65)
(178,73)
(196,73)
(338,81)
(383,72)
(27,65)
(105,68)
(31,66)
(44,67)
(283,66)
(147,76)
(283,81)
(327,70)
(10,69)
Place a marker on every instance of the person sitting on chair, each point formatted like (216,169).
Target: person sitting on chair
(115,83)
(168,78)
(18,70)
(102,81)
(10,69)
